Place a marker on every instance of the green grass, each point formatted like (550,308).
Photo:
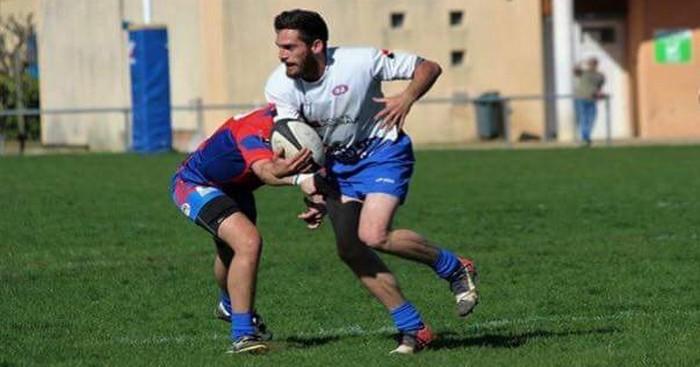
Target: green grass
(587,257)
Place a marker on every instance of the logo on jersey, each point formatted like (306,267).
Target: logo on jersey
(203,191)
(185,209)
(387,53)
(385,180)
(340,89)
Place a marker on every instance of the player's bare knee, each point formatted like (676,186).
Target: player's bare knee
(375,238)
(249,247)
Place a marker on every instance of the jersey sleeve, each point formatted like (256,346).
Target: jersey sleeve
(253,148)
(391,65)
(279,91)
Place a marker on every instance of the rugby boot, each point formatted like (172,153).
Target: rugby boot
(463,286)
(252,344)
(222,313)
(413,341)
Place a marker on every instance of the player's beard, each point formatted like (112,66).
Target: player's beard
(309,69)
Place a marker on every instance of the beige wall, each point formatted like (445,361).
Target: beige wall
(81,62)
(17,7)
(222,51)
(666,95)
(497,58)
(84,64)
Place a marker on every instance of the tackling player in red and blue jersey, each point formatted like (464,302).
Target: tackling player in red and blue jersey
(214,188)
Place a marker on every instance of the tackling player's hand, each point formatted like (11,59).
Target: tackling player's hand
(395,110)
(301,162)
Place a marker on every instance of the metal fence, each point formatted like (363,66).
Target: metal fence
(199,108)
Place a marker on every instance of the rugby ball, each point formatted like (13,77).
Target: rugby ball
(290,136)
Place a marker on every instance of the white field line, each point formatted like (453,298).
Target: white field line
(356,330)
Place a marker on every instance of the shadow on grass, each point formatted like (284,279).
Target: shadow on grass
(315,341)
(452,340)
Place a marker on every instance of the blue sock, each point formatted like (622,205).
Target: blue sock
(226,301)
(406,317)
(241,325)
(446,264)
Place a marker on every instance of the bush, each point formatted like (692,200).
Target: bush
(8,101)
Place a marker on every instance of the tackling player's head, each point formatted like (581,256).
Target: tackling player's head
(302,37)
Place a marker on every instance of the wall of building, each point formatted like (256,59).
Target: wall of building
(81,65)
(17,7)
(666,94)
(84,62)
(496,57)
(222,52)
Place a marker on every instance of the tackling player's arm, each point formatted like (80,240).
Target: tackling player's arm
(397,107)
(279,171)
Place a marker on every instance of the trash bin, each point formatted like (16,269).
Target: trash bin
(489,115)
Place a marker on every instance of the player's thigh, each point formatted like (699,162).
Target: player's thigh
(344,216)
(211,208)
(240,233)
(376,217)
(245,203)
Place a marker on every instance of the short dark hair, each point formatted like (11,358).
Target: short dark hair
(310,24)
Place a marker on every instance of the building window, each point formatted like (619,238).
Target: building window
(457,57)
(456,18)
(396,19)
(600,34)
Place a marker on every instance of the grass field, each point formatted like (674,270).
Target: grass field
(587,257)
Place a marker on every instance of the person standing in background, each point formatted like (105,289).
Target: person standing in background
(587,90)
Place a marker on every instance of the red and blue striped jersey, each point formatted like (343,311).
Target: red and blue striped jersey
(224,160)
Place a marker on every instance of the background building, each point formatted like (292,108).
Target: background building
(221,51)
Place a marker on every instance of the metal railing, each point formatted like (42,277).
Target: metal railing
(196,106)
(199,108)
(507,101)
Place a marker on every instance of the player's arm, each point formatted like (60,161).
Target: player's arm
(599,90)
(396,107)
(277,171)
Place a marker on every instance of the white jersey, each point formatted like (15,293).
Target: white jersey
(339,105)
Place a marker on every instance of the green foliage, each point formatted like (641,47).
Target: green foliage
(587,258)
(8,101)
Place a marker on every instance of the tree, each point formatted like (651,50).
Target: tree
(17,89)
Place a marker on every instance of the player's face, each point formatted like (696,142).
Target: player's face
(294,53)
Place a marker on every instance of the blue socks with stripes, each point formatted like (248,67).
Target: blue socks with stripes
(226,301)
(406,317)
(446,264)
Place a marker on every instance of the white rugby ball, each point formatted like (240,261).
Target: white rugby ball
(290,136)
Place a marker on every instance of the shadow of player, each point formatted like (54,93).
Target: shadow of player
(452,340)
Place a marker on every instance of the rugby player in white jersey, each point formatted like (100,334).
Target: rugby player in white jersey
(337,90)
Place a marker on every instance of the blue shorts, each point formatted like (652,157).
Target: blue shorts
(387,169)
(191,198)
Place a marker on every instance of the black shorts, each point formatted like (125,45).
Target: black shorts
(215,211)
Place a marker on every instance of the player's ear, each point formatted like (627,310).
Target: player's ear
(317,46)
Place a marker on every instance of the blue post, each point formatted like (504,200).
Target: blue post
(150,89)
